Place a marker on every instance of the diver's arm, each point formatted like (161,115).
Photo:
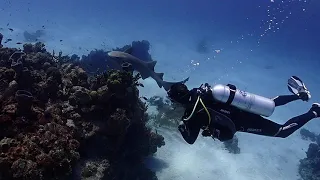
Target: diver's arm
(189,130)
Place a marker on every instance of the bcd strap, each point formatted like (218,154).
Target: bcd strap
(233,89)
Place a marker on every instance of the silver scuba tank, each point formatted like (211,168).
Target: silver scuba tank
(243,100)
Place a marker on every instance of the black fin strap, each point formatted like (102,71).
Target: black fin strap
(233,89)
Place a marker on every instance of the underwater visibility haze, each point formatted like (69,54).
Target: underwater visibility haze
(83,87)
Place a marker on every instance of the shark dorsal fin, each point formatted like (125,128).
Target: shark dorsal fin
(129,50)
(160,75)
(151,64)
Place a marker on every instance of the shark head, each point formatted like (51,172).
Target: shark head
(117,54)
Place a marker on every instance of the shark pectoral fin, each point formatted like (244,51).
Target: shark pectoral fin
(144,75)
(160,75)
(129,50)
(151,64)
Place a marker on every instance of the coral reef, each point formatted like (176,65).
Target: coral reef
(94,169)
(167,115)
(1,37)
(58,122)
(308,135)
(93,62)
(309,166)
(140,49)
(34,36)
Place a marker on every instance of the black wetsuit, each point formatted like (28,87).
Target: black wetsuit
(227,119)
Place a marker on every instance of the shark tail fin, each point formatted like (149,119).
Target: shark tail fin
(151,64)
(167,85)
(160,83)
(160,75)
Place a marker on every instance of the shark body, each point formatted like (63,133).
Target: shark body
(145,68)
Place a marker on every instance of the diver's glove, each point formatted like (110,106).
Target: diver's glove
(204,91)
(206,133)
(204,88)
(214,133)
(182,126)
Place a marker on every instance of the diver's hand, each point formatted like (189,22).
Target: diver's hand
(206,133)
(205,92)
(182,126)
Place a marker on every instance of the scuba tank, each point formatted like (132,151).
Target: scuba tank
(243,100)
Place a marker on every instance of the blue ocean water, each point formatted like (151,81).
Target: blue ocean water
(256,45)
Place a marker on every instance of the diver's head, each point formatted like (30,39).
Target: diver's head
(179,93)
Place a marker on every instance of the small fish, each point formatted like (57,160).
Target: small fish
(18,43)
(10,29)
(217,50)
(144,98)
(43,27)
(8,40)
(7,24)
(61,40)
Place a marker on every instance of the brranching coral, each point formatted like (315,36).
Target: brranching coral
(309,168)
(59,122)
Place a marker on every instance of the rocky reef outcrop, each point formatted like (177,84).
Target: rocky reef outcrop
(232,145)
(308,135)
(58,122)
(167,114)
(309,167)
(33,36)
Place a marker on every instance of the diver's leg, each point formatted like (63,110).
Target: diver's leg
(256,124)
(297,88)
(294,124)
(284,99)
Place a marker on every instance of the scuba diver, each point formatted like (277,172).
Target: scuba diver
(221,111)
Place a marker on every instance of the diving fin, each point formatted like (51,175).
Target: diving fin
(296,86)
